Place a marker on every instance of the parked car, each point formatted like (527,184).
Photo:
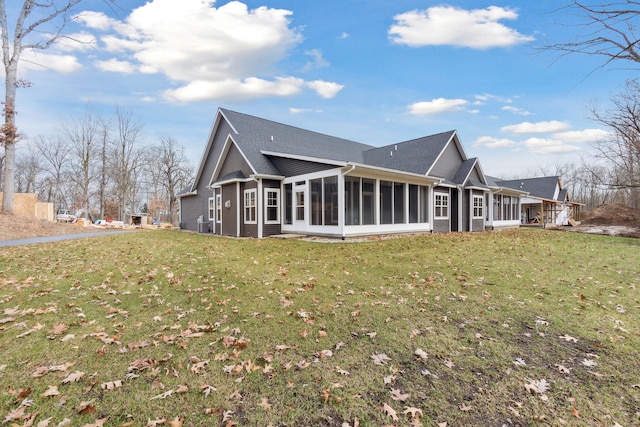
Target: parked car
(65,215)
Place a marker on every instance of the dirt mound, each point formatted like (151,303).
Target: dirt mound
(19,227)
(612,214)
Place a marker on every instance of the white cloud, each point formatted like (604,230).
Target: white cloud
(116,66)
(226,52)
(40,61)
(582,136)
(538,127)
(548,146)
(326,90)
(343,36)
(437,106)
(490,142)
(294,110)
(447,25)
(516,110)
(317,60)
(232,89)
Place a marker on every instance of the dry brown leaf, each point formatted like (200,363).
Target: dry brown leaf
(390,411)
(111,385)
(421,353)
(380,359)
(64,423)
(44,423)
(73,377)
(397,395)
(264,404)
(176,422)
(415,412)
(155,423)
(85,408)
(59,329)
(51,391)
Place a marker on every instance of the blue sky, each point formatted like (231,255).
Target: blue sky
(374,71)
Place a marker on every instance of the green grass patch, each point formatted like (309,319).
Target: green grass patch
(521,327)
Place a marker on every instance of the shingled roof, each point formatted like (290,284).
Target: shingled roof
(542,187)
(256,136)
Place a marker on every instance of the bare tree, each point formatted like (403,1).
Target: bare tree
(55,153)
(169,171)
(622,150)
(610,30)
(38,25)
(29,168)
(83,135)
(101,165)
(127,159)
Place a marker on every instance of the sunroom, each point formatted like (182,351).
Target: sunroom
(357,200)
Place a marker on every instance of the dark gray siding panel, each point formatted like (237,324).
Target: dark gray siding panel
(229,214)
(247,230)
(272,229)
(466,195)
(441,226)
(234,162)
(188,208)
(194,206)
(448,163)
(291,167)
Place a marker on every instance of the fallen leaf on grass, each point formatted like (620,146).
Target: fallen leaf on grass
(568,338)
(380,359)
(111,385)
(264,404)
(563,369)
(415,412)
(421,353)
(390,411)
(397,395)
(98,423)
(163,395)
(537,386)
(73,377)
(176,422)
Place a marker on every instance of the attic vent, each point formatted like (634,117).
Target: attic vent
(391,153)
(395,148)
(271,138)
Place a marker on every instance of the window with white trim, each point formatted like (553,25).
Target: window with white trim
(478,206)
(441,205)
(272,206)
(218,208)
(250,206)
(212,208)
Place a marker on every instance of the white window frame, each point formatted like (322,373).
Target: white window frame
(443,206)
(212,208)
(478,206)
(267,206)
(219,208)
(250,209)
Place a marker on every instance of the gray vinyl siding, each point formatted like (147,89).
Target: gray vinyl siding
(194,206)
(466,216)
(448,163)
(272,229)
(442,225)
(234,162)
(478,224)
(230,214)
(292,167)
(248,230)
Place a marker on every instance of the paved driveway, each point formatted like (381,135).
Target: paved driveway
(47,239)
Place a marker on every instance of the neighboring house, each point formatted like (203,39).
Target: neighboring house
(546,203)
(259,178)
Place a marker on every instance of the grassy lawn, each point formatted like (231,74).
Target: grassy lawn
(522,327)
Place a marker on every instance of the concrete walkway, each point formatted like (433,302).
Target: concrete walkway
(47,239)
